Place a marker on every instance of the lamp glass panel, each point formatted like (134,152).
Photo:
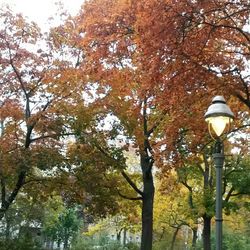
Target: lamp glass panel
(218,123)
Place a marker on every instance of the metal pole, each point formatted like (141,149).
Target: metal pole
(218,161)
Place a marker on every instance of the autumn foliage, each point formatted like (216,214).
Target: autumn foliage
(122,75)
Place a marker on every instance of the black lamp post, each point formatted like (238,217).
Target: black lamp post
(218,117)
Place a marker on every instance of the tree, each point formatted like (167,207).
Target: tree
(198,178)
(26,212)
(62,226)
(129,96)
(38,98)
(143,58)
(215,38)
(134,61)
(173,213)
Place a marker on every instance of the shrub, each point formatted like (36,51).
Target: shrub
(24,243)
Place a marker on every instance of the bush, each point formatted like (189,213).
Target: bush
(132,246)
(83,243)
(231,241)
(101,243)
(24,243)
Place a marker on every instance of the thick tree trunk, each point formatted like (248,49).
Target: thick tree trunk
(147,210)
(7,202)
(206,232)
(146,162)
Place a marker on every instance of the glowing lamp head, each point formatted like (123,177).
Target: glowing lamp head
(218,115)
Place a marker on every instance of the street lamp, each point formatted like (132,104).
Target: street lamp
(218,116)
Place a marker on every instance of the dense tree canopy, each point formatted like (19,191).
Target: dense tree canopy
(122,75)
(41,96)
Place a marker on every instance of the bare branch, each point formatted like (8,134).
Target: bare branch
(229,194)
(50,136)
(240,193)
(3,191)
(130,198)
(131,183)
(127,178)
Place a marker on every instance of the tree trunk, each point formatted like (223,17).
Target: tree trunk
(59,244)
(65,245)
(66,242)
(51,244)
(147,209)
(146,162)
(7,228)
(206,232)
(124,236)
(118,236)
(174,238)
(7,202)
(195,236)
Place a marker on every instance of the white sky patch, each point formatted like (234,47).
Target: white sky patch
(40,11)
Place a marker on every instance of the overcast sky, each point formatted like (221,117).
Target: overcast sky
(40,10)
